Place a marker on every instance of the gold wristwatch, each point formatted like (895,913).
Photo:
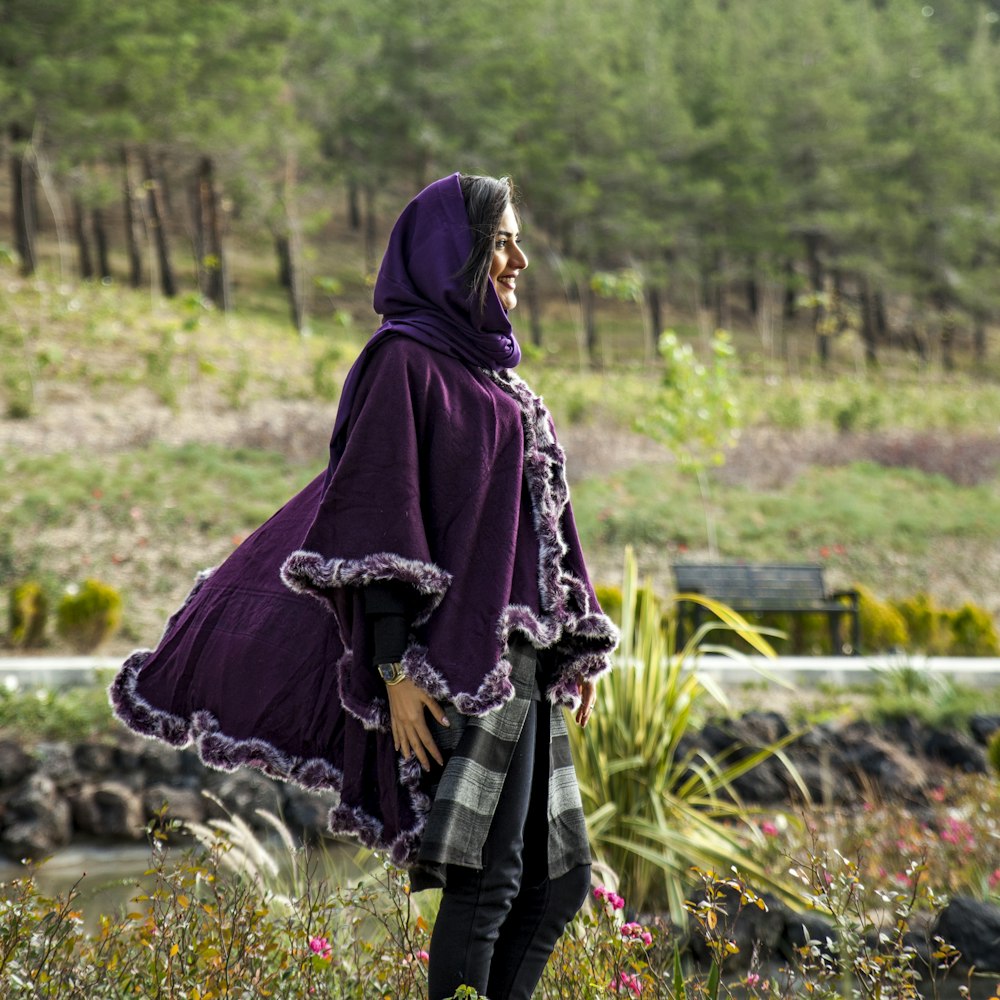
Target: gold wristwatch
(391,673)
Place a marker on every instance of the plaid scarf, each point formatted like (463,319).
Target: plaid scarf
(478,751)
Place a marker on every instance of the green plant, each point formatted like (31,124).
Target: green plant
(610,599)
(29,611)
(653,808)
(925,624)
(89,614)
(973,632)
(883,627)
(993,752)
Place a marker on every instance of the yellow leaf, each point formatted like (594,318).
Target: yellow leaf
(183,902)
(421,924)
(174,948)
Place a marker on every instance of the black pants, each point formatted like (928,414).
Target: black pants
(497,926)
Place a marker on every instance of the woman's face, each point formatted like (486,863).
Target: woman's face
(508,259)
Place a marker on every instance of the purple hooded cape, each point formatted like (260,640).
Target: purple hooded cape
(445,474)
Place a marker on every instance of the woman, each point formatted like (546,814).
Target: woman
(453,619)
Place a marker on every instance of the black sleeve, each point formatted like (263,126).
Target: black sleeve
(389,611)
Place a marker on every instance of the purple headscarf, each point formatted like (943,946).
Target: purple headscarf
(420,294)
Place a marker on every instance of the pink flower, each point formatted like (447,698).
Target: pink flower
(994,879)
(626,981)
(423,956)
(611,898)
(321,947)
(636,932)
(768,829)
(753,978)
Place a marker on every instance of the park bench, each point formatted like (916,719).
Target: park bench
(788,589)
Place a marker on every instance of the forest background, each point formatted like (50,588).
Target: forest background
(197,196)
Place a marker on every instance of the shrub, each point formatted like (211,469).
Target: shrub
(89,615)
(882,626)
(924,621)
(993,752)
(29,612)
(610,599)
(972,632)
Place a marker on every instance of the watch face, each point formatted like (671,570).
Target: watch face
(389,671)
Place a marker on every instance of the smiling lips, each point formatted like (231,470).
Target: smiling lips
(508,281)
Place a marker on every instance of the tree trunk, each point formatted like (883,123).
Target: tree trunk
(534,313)
(753,296)
(591,344)
(353,206)
(296,295)
(132,239)
(23,200)
(790,305)
(370,251)
(948,343)
(869,322)
(979,342)
(82,241)
(101,243)
(157,220)
(654,306)
(284,260)
(817,280)
(212,271)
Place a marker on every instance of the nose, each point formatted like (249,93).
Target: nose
(519,258)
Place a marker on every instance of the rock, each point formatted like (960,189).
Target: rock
(57,761)
(94,758)
(184,804)
(974,929)
(15,764)
(160,762)
(109,809)
(872,760)
(306,813)
(243,792)
(753,930)
(765,727)
(36,819)
(956,750)
(983,727)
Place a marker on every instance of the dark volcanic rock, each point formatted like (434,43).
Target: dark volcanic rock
(185,804)
(974,929)
(15,764)
(110,809)
(956,750)
(983,727)
(36,819)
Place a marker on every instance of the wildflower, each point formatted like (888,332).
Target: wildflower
(321,947)
(611,898)
(768,829)
(753,978)
(636,932)
(626,981)
(994,879)
(423,955)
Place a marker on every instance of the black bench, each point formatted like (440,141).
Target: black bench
(789,589)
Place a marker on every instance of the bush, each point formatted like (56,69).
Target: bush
(610,600)
(925,623)
(883,628)
(972,632)
(993,752)
(89,615)
(29,612)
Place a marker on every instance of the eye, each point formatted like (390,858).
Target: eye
(500,244)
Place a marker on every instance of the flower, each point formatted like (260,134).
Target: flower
(321,947)
(994,879)
(753,978)
(636,932)
(768,828)
(626,981)
(423,955)
(611,898)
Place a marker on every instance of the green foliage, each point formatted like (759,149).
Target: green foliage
(973,632)
(72,713)
(610,599)
(89,614)
(697,412)
(654,809)
(993,753)
(925,623)
(883,628)
(28,615)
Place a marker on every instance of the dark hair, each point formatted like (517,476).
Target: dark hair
(486,199)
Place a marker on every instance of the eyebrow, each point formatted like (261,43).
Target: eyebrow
(503,232)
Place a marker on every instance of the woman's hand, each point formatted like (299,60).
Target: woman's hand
(410,735)
(588,695)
